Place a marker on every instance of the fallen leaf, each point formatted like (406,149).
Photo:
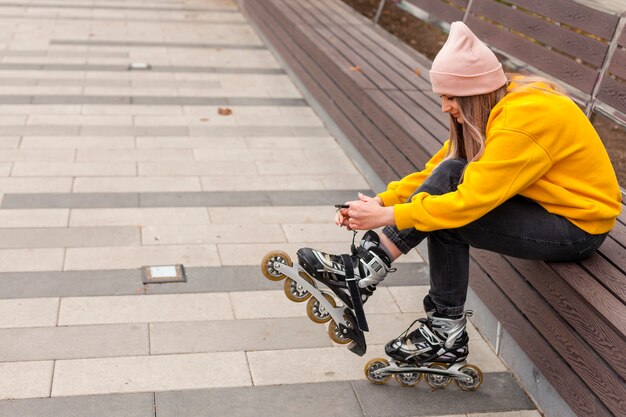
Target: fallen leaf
(355,68)
(224,111)
(417,71)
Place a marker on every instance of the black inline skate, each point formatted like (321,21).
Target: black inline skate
(352,278)
(437,348)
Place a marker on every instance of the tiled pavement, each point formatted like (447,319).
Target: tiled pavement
(104,169)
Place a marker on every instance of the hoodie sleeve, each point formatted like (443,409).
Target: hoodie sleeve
(400,191)
(511,162)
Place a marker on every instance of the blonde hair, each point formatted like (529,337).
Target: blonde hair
(467,139)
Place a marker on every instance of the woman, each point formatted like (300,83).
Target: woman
(523,174)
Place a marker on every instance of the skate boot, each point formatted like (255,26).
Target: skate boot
(367,267)
(352,278)
(437,348)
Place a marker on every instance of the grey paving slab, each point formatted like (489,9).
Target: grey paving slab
(120,405)
(302,400)
(148,44)
(154,68)
(226,336)
(129,282)
(104,7)
(151,100)
(56,237)
(134,130)
(209,199)
(70,283)
(70,200)
(305,198)
(74,342)
(498,393)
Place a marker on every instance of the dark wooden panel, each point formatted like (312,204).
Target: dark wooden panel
(413,112)
(541,58)
(567,383)
(573,14)
(582,314)
(558,37)
(439,9)
(618,63)
(378,56)
(613,93)
(606,273)
(596,374)
(622,38)
(286,47)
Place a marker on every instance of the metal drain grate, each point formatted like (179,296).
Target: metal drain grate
(163,274)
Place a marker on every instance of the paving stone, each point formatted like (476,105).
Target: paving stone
(204,199)
(47,155)
(316,197)
(222,168)
(120,405)
(31,259)
(499,392)
(25,379)
(270,215)
(298,366)
(38,130)
(152,373)
(274,304)
(36,185)
(34,218)
(191,142)
(72,169)
(138,216)
(134,131)
(70,200)
(333,399)
(410,298)
(135,184)
(49,343)
(210,233)
(39,312)
(70,283)
(226,336)
(118,155)
(327,232)
(55,237)
(136,257)
(145,309)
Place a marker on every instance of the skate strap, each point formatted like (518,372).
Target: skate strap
(355,293)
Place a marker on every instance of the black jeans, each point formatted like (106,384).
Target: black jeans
(519,227)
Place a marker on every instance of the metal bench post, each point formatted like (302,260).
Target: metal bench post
(379,11)
(467,10)
(591,104)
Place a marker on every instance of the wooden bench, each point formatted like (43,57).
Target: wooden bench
(569,318)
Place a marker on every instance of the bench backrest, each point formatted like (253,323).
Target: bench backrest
(575,44)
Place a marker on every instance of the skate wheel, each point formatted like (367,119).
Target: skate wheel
(335,333)
(317,312)
(438,381)
(372,371)
(408,379)
(473,372)
(267,265)
(295,292)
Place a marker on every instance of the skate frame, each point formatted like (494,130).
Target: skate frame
(336,313)
(452,371)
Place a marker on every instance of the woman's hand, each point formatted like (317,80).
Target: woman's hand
(364,214)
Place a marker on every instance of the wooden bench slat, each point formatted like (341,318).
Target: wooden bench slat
(617,66)
(566,382)
(613,93)
(557,37)
(606,273)
(581,315)
(414,113)
(383,59)
(573,14)
(439,9)
(597,375)
(552,63)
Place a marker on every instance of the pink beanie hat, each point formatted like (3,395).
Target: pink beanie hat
(465,66)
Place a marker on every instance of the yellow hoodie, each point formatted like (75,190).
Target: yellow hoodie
(539,145)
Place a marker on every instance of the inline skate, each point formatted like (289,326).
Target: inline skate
(436,349)
(351,278)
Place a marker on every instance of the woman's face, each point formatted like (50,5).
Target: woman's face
(450,105)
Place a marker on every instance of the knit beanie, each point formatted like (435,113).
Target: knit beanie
(465,66)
